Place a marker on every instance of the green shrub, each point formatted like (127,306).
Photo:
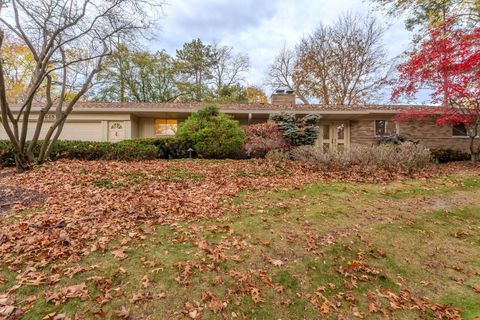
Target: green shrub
(406,157)
(129,151)
(168,147)
(450,155)
(87,150)
(83,150)
(212,134)
(6,154)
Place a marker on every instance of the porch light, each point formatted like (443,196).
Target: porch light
(190,152)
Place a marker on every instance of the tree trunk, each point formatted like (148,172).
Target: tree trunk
(475,157)
(20,164)
(475,154)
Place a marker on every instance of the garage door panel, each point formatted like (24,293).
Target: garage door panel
(86,131)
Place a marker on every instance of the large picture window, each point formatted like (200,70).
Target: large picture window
(459,130)
(165,127)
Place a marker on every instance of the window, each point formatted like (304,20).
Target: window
(116,126)
(459,130)
(381,128)
(165,127)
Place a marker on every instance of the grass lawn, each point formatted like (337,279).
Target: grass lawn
(266,244)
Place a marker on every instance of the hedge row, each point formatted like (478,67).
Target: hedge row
(140,149)
(149,148)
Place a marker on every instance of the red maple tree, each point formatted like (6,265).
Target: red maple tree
(262,138)
(448,62)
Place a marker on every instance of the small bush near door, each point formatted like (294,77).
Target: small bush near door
(297,131)
(406,157)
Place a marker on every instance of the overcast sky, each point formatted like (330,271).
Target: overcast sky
(260,28)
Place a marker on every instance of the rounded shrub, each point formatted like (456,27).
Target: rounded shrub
(212,134)
(262,138)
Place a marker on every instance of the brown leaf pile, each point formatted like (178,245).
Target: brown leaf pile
(81,206)
(90,203)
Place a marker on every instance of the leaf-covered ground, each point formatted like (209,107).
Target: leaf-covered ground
(238,240)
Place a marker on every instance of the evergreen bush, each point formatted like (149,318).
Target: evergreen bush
(297,131)
(212,134)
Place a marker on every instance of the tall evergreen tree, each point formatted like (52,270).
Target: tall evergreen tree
(194,62)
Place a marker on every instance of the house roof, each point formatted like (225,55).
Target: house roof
(235,107)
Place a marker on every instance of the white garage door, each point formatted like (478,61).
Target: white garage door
(87,131)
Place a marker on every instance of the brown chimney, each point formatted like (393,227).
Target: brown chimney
(283,97)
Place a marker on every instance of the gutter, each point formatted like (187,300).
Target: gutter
(231,111)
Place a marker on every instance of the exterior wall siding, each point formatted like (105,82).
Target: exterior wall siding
(85,131)
(427,133)
(433,136)
(134,127)
(94,127)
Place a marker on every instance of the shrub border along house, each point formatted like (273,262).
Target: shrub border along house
(210,132)
(214,134)
(406,158)
(85,150)
(362,124)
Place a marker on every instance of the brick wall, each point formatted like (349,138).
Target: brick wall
(434,136)
(429,134)
(283,98)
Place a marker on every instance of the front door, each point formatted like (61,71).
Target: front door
(116,131)
(334,136)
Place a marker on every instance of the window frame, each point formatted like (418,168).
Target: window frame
(386,134)
(156,122)
(117,125)
(458,136)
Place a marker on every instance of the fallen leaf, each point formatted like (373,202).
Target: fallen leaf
(123,312)
(119,254)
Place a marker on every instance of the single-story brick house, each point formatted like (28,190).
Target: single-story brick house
(340,126)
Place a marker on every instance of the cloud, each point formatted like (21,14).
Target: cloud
(209,20)
(260,28)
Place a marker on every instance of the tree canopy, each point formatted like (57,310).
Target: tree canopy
(448,62)
(343,63)
(198,72)
(423,14)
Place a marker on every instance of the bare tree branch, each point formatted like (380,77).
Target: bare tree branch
(68,40)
